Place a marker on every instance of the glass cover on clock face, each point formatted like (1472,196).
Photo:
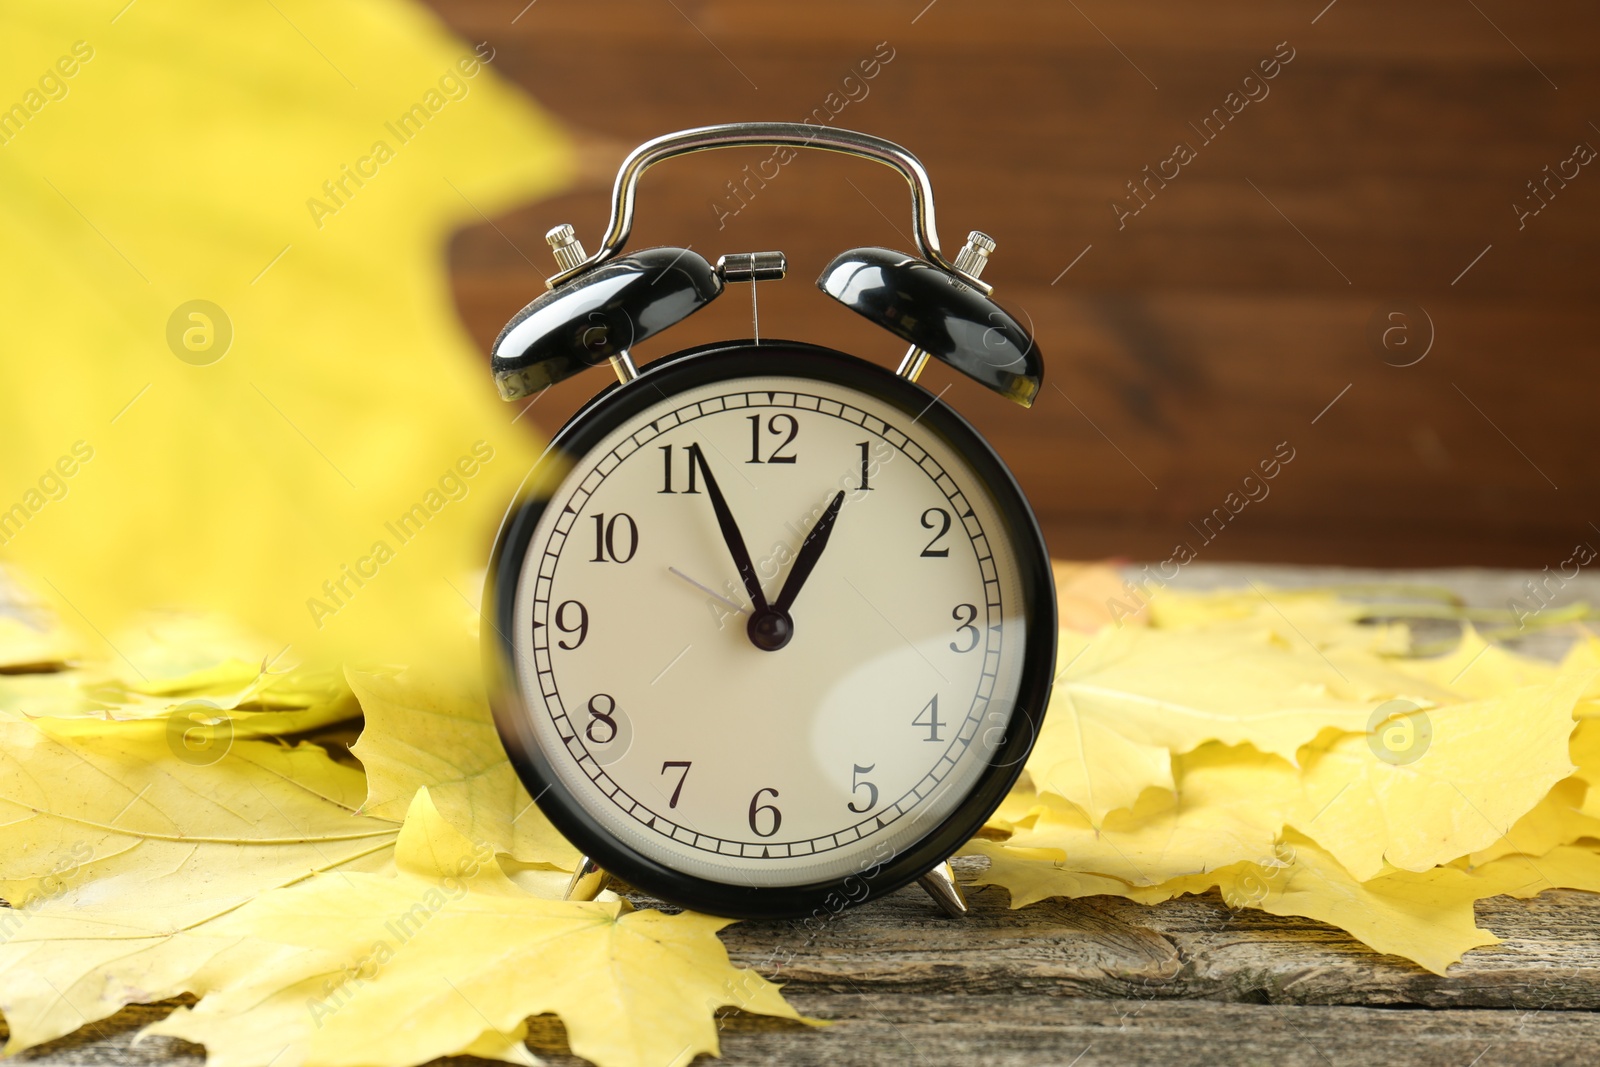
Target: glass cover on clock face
(806,747)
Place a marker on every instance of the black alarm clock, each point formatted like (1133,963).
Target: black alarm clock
(773,628)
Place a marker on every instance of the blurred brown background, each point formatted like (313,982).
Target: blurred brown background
(1377,175)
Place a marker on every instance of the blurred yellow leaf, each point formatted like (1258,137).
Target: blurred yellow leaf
(1585,751)
(1584,657)
(116,853)
(396,969)
(315,445)
(184,668)
(435,732)
(1476,668)
(25,647)
(1317,616)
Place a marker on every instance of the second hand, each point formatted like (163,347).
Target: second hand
(708,591)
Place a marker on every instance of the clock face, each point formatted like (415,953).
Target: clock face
(771,630)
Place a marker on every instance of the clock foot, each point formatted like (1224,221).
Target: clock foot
(942,886)
(587,881)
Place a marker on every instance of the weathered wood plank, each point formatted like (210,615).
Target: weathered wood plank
(1192,948)
(1009,1031)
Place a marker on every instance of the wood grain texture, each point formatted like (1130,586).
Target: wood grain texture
(1026,1029)
(1220,320)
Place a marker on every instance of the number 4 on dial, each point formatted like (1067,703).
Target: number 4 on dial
(929,717)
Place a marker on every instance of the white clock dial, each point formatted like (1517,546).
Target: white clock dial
(683,737)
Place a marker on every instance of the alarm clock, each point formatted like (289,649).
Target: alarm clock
(772,628)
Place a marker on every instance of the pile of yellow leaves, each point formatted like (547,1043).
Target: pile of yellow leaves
(185,819)
(1266,745)
(160,836)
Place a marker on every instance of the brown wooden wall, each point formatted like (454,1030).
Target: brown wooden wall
(1192,338)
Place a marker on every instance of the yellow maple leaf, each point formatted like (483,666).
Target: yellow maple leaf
(1584,657)
(435,732)
(1476,668)
(192,672)
(1473,770)
(115,857)
(404,967)
(1019,808)
(315,443)
(1030,875)
(68,703)
(1426,917)
(1563,867)
(1558,819)
(1127,699)
(1585,751)
(1228,807)
(1317,616)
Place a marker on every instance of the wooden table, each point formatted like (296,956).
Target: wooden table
(1106,981)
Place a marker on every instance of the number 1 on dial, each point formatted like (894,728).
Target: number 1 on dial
(865,471)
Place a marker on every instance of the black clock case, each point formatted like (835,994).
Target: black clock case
(721,362)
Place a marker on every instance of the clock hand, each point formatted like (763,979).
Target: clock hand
(810,551)
(730,534)
(710,592)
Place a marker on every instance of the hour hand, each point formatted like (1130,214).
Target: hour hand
(811,551)
(730,533)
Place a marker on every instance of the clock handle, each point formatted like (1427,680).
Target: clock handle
(774,135)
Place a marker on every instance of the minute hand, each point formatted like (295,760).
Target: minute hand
(731,535)
(811,551)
